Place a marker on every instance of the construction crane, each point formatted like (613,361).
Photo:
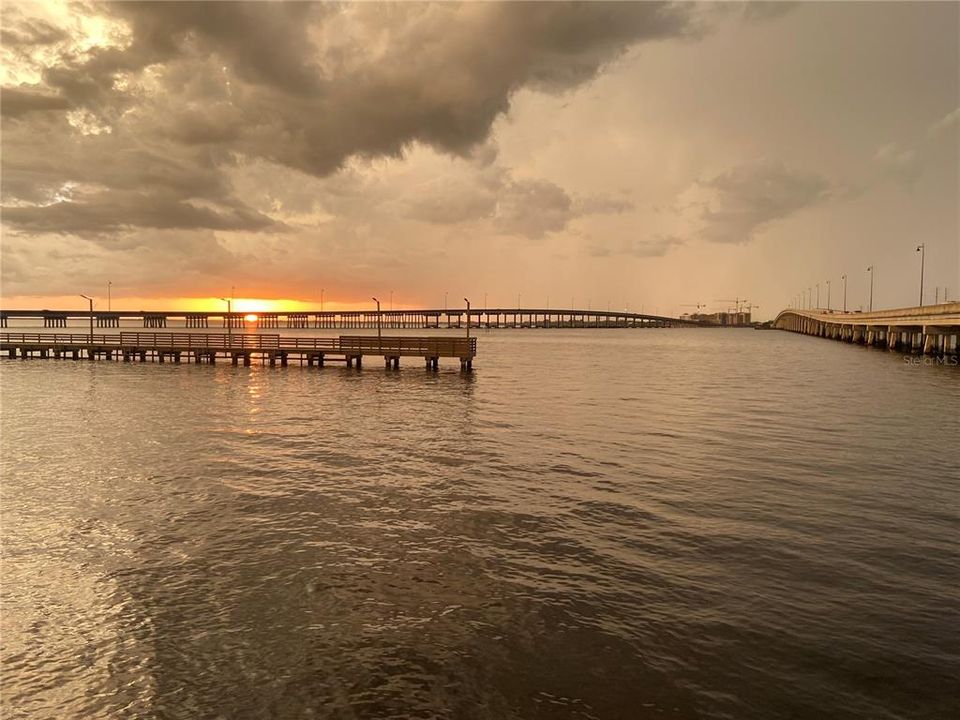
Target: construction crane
(698,306)
(736,302)
(749,307)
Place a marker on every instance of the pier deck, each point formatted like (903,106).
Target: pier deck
(239,347)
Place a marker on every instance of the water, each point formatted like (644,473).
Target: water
(595,524)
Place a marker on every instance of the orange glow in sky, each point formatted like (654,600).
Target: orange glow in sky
(250,317)
(187,304)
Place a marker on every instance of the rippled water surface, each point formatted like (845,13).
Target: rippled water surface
(594,524)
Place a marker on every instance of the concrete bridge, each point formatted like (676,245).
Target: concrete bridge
(350,319)
(931,330)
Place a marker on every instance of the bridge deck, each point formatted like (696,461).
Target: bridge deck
(931,329)
(207,347)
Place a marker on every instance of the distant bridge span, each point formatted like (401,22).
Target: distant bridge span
(356,319)
(931,329)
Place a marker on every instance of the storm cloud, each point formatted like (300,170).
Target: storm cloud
(153,119)
(736,204)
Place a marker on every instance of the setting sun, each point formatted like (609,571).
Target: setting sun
(250,318)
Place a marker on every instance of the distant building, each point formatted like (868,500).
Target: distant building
(723,319)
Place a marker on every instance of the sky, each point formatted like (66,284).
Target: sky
(641,156)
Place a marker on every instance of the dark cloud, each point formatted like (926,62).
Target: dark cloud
(658,246)
(748,197)
(103,212)
(15,102)
(533,208)
(768,10)
(306,86)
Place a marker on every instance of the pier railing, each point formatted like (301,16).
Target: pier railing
(433,346)
(200,341)
(241,342)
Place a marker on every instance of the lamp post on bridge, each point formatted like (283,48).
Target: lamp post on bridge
(921,248)
(818,296)
(870,270)
(844,278)
(90,300)
(322,290)
(229,321)
(468,317)
(828,295)
(109,304)
(379,336)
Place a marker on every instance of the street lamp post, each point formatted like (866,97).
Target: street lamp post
(818,296)
(468,317)
(828,295)
(379,336)
(810,298)
(90,300)
(229,321)
(322,290)
(870,270)
(921,248)
(844,278)
(109,304)
(391,301)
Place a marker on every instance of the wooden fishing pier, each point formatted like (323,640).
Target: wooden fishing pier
(238,348)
